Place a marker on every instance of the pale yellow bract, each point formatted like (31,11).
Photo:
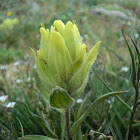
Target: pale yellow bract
(62,60)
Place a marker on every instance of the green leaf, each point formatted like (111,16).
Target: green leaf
(42,25)
(133,31)
(136,47)
(117,130)
(119,118)
(41,86)
(136,125)
(137,31)
(138,62)
(35,137)
(59,98)
(117,97)
(83,105)
(38,120)
(93,105)
(43,90)
(134,72)
(14,132)
(113,133)
(78,134)
(22,131)
(62,127)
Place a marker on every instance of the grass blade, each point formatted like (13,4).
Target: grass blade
(93,105)
(134,75)
(35,137)
(82,107)
(117,97)
(14,132)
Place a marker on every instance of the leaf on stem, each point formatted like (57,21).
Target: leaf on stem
(134,71)
(93,105)
(117,97)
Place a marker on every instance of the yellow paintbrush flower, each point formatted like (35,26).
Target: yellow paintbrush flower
(62,60)
(9,13)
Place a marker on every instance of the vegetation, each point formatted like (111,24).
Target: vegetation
(116,69)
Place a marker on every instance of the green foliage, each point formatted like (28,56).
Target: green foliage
(93,105)
(10,55)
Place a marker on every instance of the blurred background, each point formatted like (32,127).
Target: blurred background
(97,20)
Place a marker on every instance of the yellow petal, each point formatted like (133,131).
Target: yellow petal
(81,57)
(59,26)
(44,41)
(46,76)
(82,74)
(40,54)
(93,53)
(82,52)
(52,29)
(71,41)
(77,34)
(78,79)
(59,58)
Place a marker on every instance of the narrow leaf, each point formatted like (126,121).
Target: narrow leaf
(83,105)
(93,105)
(14,132)
(41,86)
(133,31)
(137,50)
(113,133)
(117,97)
(62,127)
(22,131)
(134,76)
(38,120)
(78,134)
(35,137)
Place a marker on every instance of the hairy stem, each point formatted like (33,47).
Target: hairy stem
(133,113)
(67,119)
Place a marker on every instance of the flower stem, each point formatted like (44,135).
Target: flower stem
(67,119)
(133,113)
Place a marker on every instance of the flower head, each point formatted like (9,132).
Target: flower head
(62,60)
(3,98)
(11,105)
(9,13)
(8,24)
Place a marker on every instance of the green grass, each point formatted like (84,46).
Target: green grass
(10,55)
